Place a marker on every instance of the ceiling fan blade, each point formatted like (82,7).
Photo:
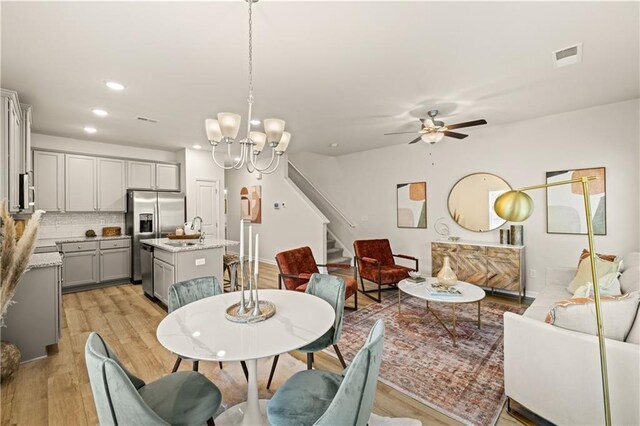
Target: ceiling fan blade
(399,133)
(466,124)
(416,140)
(454,135)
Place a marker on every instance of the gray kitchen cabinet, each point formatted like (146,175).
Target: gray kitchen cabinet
(80,183)
(141,175)
(111,190)
(48,175)
(33,322)
(80,268)
(168,177)
(11,141)
(115,264)
(26,138)
(163,278)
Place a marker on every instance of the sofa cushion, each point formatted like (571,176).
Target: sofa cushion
(630,280)
(545,301)
(583,275)
(579,314)
(630,260)
(634,334)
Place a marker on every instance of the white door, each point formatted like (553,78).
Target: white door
(207,205)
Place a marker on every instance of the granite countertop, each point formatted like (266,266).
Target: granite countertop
(42,260)
(209,243)
(51,242)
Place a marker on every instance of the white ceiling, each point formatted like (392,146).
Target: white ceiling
(336,72)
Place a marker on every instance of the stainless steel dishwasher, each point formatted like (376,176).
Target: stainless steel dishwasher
(146,268)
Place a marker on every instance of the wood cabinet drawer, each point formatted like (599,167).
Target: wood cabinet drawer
(83,246)
(470,250)
(503,252)
(444,248)
(111,244)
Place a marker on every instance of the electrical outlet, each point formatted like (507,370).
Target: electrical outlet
(283,205)
(532,273)
(200,262)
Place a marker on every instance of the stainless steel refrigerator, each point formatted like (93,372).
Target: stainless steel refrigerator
(151,214)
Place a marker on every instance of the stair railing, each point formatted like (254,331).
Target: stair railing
(324,197)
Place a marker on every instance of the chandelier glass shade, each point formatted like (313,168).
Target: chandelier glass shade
(432,137)
(227,126)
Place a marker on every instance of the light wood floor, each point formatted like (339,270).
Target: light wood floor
(56,390)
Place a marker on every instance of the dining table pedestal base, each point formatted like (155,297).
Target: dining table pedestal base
(236,415)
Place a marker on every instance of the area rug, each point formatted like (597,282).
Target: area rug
(464,382)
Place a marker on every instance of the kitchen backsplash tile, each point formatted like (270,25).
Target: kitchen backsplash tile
(54,225)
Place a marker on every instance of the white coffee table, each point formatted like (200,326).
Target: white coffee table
(470,294)
(200,330)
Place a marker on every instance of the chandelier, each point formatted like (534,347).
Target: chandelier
(226,127)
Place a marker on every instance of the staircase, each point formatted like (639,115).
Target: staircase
(335,252)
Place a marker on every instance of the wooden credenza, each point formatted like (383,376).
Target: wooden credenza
(496,266)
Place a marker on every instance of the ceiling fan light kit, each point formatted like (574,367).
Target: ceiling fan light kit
(227,126)
(432,131)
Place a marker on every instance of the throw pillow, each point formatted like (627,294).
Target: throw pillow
(630,280)
(579,314)
(583,275)
(609,286)
(607,257)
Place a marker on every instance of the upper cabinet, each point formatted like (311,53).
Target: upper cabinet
(152,176)
(80,183)
(168,177)
(48,178)
(112,190)
(141,175)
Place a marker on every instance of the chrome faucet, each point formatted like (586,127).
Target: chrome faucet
(201,240)
(193,223)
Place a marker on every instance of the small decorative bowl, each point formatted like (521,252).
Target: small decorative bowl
(415,274)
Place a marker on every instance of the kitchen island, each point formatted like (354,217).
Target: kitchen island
(166,261)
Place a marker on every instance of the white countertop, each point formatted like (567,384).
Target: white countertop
(480,243)
(51,242)
(209,243)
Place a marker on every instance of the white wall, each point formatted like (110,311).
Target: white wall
(298,224)
(364,184)
(198,165)
(100,148)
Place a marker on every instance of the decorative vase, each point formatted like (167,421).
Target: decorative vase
(517,235)
(10,360)
(446,276)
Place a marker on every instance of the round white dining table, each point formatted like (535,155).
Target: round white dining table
(201,331)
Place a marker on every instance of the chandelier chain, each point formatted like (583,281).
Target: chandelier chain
(250,52)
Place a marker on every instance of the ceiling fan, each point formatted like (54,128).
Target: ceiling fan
(432,130)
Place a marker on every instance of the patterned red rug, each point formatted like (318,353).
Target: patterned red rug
(464,382)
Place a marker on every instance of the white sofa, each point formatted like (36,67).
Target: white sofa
(555,372)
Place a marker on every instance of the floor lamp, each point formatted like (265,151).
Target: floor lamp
(516,206)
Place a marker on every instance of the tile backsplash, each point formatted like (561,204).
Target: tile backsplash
(55,225)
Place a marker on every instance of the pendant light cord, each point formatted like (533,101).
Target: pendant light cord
(250,99)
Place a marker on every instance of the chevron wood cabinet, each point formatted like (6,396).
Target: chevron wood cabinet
(495,266)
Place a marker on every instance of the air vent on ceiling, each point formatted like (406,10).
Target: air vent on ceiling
(147,119)
(568,55)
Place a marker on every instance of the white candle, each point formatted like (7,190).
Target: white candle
(257,256)
(250,244)
(241,239)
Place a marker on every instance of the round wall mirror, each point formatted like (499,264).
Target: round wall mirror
(471,201)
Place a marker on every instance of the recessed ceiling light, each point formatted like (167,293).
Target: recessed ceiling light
(333,145)
(255,122)
(196,147)
(90,129)
(99,112)
(114,85)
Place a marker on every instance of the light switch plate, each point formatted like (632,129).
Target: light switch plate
(200,262)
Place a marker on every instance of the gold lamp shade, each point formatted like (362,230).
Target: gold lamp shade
(514,206)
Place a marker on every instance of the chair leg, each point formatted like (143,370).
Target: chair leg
(379,293)
(356,300)
(176,365)
(335,347)
(244,370)
(195,365)
(220,365)
(309,360)
(273,370)
(210,422)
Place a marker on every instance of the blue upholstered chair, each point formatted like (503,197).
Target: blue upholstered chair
(332,289)
(183,398)
(185,292)
(316,397)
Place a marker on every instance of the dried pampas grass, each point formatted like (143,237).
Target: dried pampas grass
(15,256)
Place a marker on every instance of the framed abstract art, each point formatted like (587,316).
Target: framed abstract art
(412,205)
(565,205)
(251,203)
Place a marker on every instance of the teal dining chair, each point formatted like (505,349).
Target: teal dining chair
(121,398)
(185,292)
(316,397)
(332,289)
